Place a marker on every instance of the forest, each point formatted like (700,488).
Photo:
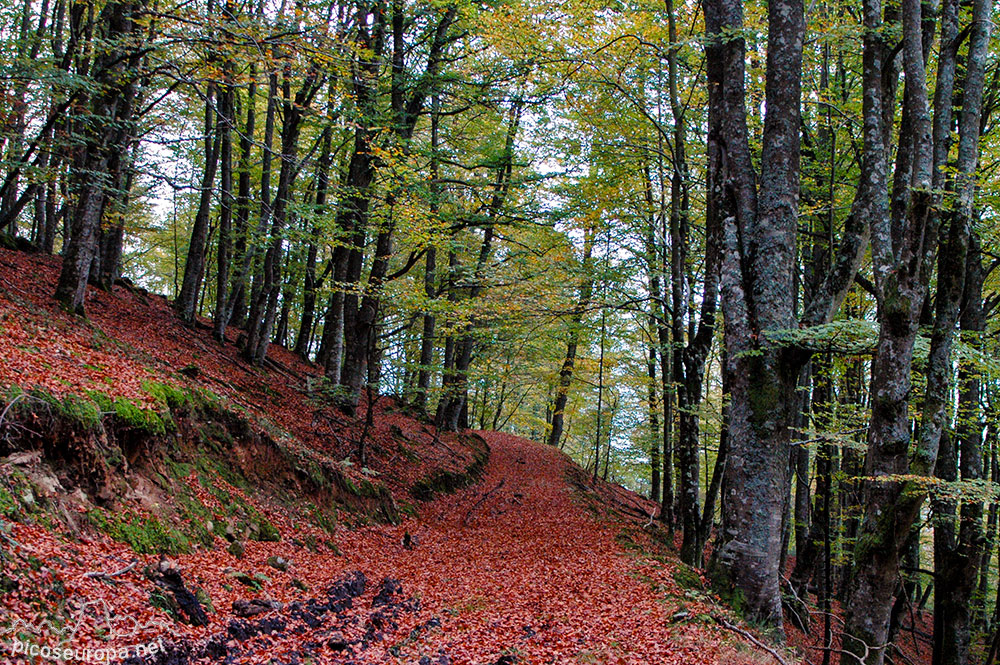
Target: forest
(737,257)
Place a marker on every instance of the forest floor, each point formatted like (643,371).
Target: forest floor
(521,568)
(123,540)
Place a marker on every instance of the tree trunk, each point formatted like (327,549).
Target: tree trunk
(359,319)
(757,289)
(197,254)
(105,139)
(246,293)
(223,258)
(311,283)
(575,331)
(957,559)
(902,257)
(457,396)
(236,302)
(352,215)
(293,110)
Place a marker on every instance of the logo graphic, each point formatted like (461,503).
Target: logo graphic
(27,639)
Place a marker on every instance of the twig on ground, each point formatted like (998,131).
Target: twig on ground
(465,520)
(17,398)
(101,575)
(9,426)
(739,631)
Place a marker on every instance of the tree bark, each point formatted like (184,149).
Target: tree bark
(293,111)
(902,257)
(223,255)
(575,332)
(197,254)
(105,139)
(758,234)
(311,282)
(360,313)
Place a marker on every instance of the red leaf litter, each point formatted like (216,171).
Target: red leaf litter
(529,565)
(519,568)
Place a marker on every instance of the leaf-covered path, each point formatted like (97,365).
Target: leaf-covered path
(532,563)
(517,565)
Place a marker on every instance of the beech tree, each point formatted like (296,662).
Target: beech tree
(106,131)
(907,232)
(737,256)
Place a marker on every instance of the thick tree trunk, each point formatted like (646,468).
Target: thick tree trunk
(758,294)
(108,261)
(957,559)
(352,216)
(903,255)
(105,139)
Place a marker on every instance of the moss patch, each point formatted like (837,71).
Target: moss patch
(145,534)
(687,577)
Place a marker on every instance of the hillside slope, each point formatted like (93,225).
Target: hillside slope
(161,501)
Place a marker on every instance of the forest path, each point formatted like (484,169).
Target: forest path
(530,563)
(516,565)
(529,566)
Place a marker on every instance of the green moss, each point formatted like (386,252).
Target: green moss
(687,577)
(216,433)
(254,581)
(324,519)
(144,534)
(449,481)
(168,395)
(9,506)
(407,453)
(178,470)
(266,532)
(133,416)
(206,601)
(722,584)
(87,411)
(628,542)
(351,486)
(21,501)
(196,518)
(369,490)
(79,409)
(209,468)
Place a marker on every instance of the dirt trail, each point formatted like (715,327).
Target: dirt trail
(519,568)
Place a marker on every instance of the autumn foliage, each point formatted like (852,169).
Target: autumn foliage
(531,564)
